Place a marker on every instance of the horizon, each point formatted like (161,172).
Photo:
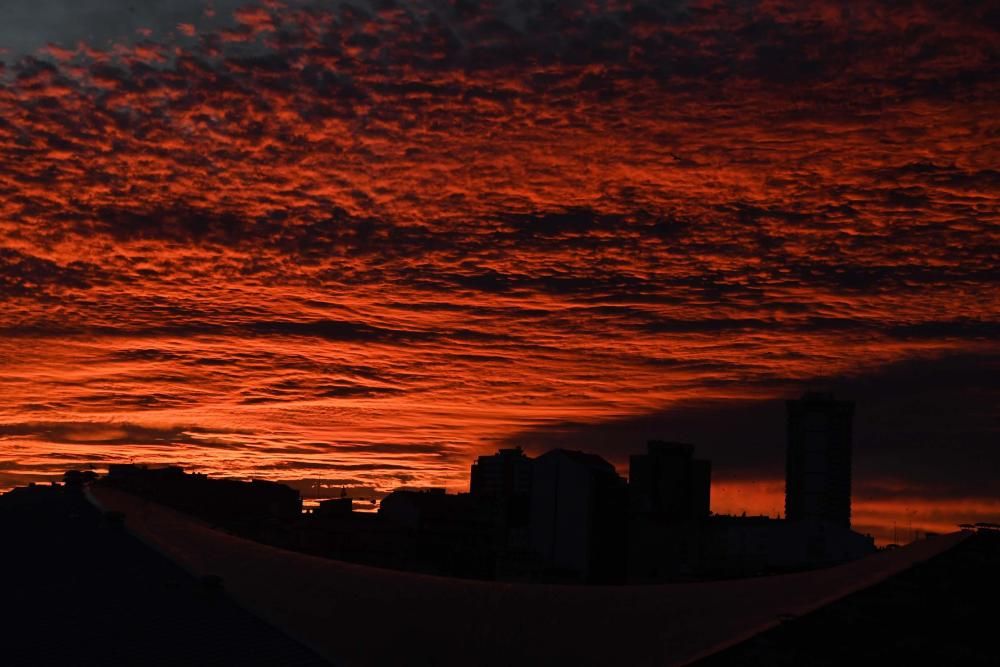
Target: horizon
(364,245)
(313,492)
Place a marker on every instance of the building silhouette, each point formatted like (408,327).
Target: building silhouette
(669,499)
(334,507)
(501,484)
(564,516)
(735,546)
(818,459)
(506,474)
(668,483)
(577,517)
(258,509)
(440,533)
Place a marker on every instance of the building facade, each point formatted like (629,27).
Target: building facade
(577,525)
(818,459)
(668,483)
(669,500)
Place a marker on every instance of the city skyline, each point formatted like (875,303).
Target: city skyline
(365,244)
(664,484)
(564,516)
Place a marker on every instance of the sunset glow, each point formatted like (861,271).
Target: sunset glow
(358,247)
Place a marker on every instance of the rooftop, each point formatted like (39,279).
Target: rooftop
(86,592)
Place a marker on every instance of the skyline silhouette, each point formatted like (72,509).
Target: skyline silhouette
(893,522)
(564,516)
(197,584)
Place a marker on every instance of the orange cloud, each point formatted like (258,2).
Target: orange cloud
(395,240)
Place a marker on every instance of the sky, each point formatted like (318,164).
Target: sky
(359,245)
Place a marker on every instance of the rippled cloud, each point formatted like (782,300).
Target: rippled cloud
(384,238)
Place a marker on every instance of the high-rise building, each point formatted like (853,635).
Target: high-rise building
(818,463)
(578,516)
(669,499)
(506,474)
(667,483)
(501,483)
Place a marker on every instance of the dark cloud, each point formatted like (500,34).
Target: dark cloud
(927,426)
(110,433)
(26,275)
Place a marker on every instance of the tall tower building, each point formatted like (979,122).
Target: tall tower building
(818,463)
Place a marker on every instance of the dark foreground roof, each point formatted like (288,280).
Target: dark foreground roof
(939,612)
(79,590)
(361,616)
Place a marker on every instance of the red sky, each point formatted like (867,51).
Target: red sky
(363,246)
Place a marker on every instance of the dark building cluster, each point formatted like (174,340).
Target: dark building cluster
(258,509)
(563,516)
